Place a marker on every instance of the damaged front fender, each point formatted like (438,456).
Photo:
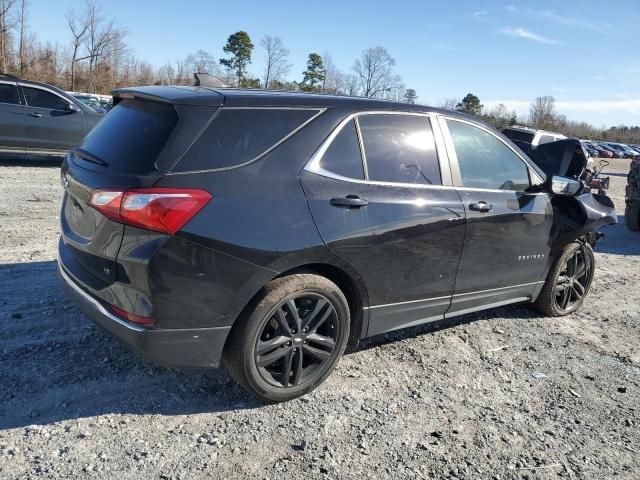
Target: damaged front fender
(576,217)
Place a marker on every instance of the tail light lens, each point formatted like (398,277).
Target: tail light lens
(140,320)
(164,210)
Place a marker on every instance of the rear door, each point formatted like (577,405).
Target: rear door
(50,123)
(508,226)
(375,189)
(13,132)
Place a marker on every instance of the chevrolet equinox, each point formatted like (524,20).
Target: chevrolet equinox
(269,230)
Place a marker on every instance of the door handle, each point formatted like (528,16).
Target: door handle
(350,201)
(481,207)
(34,114)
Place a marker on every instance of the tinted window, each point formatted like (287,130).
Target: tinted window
(486,162)
(130,138)
(8,93)
(546,139)
(400,148)
(43,99)
(237,136)
(343,155)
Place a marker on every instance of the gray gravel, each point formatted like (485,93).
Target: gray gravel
(505,393)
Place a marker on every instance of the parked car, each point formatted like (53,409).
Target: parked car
(531,135)
(590,149)
(623,150)
(602,152)
(91,102)
(271,229)
(614,151)
(39,119)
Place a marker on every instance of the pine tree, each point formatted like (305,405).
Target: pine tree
(410,95)
(470,105)
(315,74)
(239,46)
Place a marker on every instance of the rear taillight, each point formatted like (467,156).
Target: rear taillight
(164,210)
(140,320)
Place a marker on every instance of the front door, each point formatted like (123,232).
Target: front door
(508,226)
(50,123)
(391,220)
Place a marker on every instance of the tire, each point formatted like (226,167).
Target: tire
(560,283)
(268,329)
(632,218)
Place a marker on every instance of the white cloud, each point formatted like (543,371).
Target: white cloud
(528,35)
(511,8)
(479,13)
(573,21)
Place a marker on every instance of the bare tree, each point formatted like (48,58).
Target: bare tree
(7,23)
(22,20)
(541,112)
(335,80)
(78,26)
(450,103)
(277,65)
(375,72)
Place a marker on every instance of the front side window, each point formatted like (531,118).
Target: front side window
(343,156)
(485,161)
(8,93)
(41,98)
(400,148)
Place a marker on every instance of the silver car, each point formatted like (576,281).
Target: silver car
(38,119)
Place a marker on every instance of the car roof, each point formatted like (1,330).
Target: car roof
(242,97)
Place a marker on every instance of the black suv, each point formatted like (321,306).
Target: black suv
(271,229)
(38,119)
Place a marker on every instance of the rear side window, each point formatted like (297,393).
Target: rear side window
(238,136)
(343,156)
(132,136)
(485,161)
(400,148)
(8,93)
(41,98)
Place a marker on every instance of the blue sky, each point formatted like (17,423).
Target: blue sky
(584,53)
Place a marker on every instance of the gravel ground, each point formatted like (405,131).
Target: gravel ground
(505,393)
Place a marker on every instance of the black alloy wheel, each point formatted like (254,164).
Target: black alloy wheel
(568,280)
(290,338)
(297,340)
(573,281)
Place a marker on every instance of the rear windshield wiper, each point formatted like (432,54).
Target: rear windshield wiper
(89,157)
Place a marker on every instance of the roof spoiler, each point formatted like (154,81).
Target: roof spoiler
(208,80)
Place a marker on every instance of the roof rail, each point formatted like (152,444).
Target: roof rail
(8,75)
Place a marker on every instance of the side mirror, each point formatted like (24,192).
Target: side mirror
(73,108)
(564,186)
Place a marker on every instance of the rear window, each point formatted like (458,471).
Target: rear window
(239,135)
(130,138)
(518,135)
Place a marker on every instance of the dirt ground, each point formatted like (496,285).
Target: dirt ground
(501,394)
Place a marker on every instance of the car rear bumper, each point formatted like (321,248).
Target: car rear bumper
(198,347)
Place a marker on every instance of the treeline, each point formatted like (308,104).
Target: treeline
(542,115)
(97,59)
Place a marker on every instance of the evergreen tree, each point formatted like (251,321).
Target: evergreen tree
(410,95)
(470,105)
(315,74)
(239,46)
